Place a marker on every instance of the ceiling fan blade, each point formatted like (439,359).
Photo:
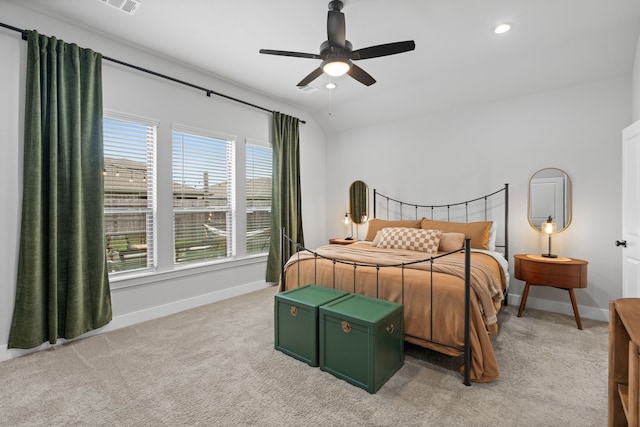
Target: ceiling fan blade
(287,53)
(336,31)
(382,50)
(361,75)
(311,77)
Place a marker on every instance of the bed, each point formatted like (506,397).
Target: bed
(445,263)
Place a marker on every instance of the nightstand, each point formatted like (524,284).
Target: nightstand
(341,241)
(561,273)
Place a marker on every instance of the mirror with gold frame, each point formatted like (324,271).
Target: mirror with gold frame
(358,202)
(550,195)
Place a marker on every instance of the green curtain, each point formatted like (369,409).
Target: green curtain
(62,285)
(286,200)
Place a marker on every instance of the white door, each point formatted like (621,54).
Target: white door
(630,242)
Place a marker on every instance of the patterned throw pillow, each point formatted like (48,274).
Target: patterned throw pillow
(413,239)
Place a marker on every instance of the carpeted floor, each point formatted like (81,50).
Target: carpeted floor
(216,366)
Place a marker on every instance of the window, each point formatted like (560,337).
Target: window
(129,202)
(202,195)
(202,206)
(258,189)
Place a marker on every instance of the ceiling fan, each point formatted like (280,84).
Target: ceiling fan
(337,53)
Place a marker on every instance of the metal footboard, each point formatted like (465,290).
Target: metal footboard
(466,349)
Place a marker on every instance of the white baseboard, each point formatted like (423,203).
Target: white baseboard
(594,313)
(177,306)
(129,319)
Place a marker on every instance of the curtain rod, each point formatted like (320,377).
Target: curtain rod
(208,92)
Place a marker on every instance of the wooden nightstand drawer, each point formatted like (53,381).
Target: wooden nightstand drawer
(559,280)
(557,269)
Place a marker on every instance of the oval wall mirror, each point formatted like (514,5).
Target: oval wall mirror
(359,202)
(550,195)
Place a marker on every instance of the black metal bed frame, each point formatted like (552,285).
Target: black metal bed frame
(433,209)
(466,349)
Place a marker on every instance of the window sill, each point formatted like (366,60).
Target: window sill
(127,280)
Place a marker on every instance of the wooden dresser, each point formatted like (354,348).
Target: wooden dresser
(624,362)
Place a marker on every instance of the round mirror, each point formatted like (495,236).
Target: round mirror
(550,196)
(359,202)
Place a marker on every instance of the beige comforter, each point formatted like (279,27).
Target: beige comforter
(426,323)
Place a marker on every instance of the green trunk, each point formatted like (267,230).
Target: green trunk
(361,340)
(296,320)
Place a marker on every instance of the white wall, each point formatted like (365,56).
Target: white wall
(455,155)
(129,91)
(636,85)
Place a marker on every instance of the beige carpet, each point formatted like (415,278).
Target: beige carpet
(216,365)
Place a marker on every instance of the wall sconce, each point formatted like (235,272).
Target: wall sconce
(549,227)
(347,221)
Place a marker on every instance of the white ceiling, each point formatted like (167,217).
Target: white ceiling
(458,59)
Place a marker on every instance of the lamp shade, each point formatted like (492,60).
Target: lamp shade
(336,66)
(549,226)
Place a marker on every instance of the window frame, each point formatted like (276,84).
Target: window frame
(230,209)
(151,211)
(259,144)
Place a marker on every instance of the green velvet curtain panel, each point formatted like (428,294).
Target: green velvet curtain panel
(286,199)
(62,285)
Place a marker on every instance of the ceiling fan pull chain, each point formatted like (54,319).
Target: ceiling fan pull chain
(330,101)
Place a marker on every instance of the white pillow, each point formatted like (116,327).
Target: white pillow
(492,236)
(376,239)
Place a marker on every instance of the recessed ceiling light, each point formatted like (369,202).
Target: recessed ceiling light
(502,28)
(330,85)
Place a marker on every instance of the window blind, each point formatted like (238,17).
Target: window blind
(258,192)
(129,191)
(202,195)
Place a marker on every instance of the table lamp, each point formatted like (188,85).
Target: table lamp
(347,221)
(549,227)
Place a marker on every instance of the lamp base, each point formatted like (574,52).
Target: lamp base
(550,255)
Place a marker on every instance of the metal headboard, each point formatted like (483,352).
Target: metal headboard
(490,207)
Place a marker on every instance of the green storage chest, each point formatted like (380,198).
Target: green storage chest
(296,320)
(362,340)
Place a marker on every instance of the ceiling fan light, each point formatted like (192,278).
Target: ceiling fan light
(336,67)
